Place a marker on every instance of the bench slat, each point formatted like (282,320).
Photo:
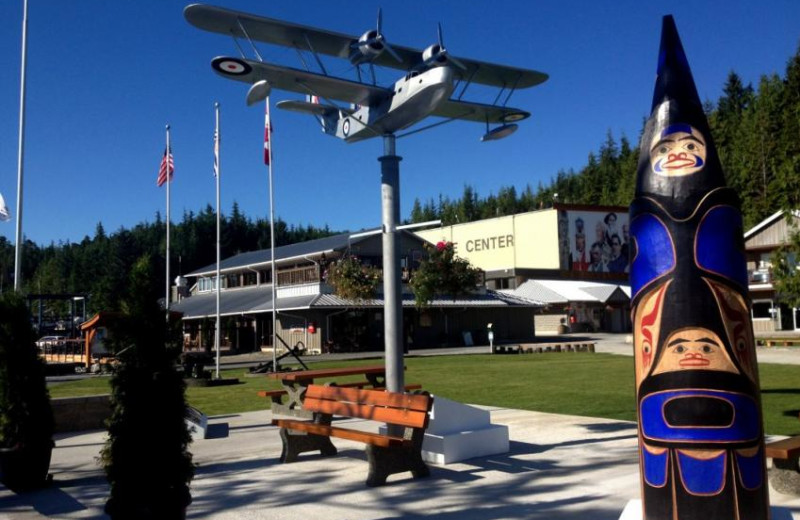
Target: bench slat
(784,449)
(343,433)
(370,397)
(356,384)
(410,418)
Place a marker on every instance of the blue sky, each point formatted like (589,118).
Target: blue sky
(105,77)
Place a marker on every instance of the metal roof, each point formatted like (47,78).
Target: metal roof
(538,292)
(310,248)
(258,299)
(563,291)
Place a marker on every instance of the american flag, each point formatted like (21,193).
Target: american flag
(267,130)
(162,169)
(216,152)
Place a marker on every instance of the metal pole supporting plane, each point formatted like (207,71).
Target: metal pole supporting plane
(392,295)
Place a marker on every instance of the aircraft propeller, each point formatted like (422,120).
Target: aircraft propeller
(372,43)
(436,55)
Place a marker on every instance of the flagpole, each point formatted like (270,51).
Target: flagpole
(169,181)
(217,174)
(272,241)
(19,239)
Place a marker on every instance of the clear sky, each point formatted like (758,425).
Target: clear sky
(104,77)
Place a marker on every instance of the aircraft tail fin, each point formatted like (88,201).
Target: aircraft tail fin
(327,115)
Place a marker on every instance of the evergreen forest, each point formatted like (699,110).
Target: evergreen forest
(756,129)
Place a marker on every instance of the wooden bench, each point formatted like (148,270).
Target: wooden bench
(389,453)
(276,396)
(785,472)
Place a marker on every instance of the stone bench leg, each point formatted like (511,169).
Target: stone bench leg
(299,442)
(784,476)
(387,461)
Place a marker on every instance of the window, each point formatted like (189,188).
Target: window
(762,310)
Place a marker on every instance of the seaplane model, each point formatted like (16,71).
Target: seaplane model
(432,76)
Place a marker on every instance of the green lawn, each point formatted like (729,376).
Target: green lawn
(596,385)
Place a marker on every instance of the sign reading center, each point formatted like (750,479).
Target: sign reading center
(487,244)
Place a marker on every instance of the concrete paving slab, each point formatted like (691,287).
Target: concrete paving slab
(558,467)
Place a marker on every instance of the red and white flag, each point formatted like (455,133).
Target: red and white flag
(166,164)
(267,131)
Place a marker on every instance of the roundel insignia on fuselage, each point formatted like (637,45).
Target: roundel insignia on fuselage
(231,66)
(346,127)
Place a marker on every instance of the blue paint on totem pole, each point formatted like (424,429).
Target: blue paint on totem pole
(655,467)
(702,476)
(751,470)
(655,254)
(718,244)
(744,422)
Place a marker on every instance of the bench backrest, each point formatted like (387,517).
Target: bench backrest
(409,410)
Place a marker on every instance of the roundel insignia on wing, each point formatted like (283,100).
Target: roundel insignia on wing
(346,127)
(231,66)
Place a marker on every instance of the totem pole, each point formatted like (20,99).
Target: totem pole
(701,440)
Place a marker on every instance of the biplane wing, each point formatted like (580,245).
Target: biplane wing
(331,43)
(469,111)
(296,80)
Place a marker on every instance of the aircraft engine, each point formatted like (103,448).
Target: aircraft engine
(371,45)
(435,56)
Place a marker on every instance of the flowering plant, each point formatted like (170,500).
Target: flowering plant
(352,280)
(443,273)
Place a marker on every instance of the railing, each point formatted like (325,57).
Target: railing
(759,276)
(298,276)
(63,351)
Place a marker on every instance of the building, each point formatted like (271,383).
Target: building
(768,312)
(312,318)
(573,258)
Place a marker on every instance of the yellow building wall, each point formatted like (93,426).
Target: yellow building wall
(526,240)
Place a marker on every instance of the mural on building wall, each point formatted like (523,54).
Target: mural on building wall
(701,441)
(598,241)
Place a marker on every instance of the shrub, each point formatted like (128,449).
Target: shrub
(443,273)
(146,457)
(352,280)
(26,417)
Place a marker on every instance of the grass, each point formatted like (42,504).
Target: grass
(595,385)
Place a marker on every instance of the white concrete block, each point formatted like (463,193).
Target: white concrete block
(458,431)
(451,416)
(197,422)
(456,446)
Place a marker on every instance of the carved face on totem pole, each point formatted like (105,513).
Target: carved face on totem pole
(700,426)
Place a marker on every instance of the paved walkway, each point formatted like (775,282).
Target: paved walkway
(559,468)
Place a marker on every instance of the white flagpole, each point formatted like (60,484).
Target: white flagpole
(19,238)
(217,174)
(272,246)
(169,181)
